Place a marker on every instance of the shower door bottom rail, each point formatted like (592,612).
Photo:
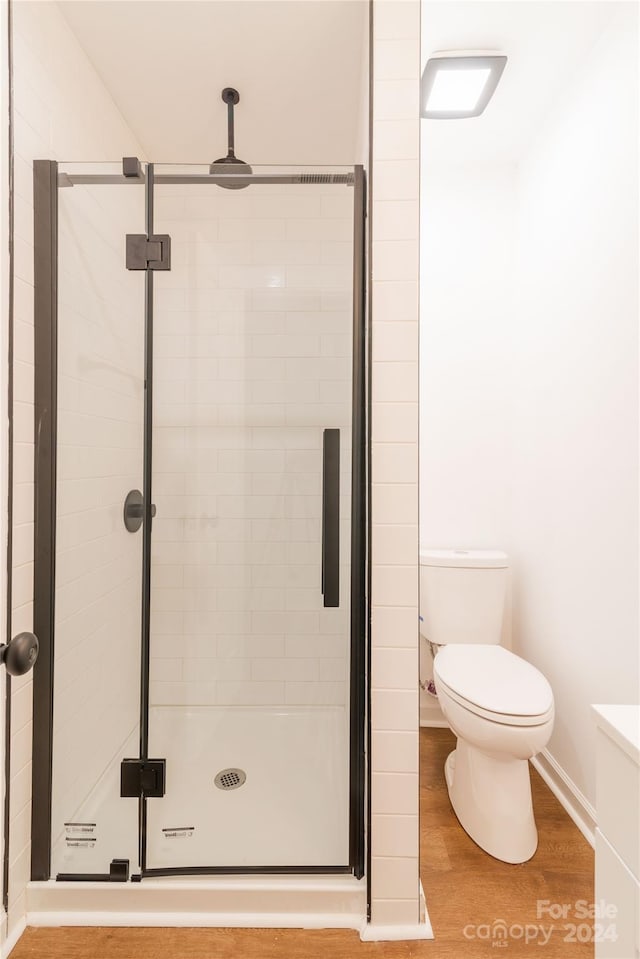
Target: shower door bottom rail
(243,871)
(118,872)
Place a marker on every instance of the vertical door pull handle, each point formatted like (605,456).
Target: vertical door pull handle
(331,517)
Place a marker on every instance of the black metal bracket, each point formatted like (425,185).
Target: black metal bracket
(143,777)
(148,252)
(132,168)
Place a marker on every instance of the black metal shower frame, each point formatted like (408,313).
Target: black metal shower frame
(47,181)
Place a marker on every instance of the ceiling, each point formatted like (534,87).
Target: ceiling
(299,68)
(545,43)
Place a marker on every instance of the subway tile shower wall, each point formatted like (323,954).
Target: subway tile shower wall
(395,880)
(252,360)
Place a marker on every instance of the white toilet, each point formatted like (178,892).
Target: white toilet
(499,706)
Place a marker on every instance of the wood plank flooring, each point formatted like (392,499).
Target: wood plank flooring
(464,888)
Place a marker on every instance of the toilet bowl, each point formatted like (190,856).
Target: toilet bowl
(501,710)
(499,706)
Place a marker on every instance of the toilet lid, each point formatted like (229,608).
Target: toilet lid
(494,679)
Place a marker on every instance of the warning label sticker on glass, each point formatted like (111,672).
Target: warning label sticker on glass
(80,833)
(179,832)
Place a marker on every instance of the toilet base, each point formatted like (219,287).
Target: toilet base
(491,796)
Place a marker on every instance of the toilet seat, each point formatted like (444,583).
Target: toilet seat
(495,684)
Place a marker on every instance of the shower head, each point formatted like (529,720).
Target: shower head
(230,163)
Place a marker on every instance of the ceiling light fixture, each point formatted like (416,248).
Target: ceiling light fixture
(459,85)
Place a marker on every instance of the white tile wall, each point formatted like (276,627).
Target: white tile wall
(394,678)
(253,359)
(62,110)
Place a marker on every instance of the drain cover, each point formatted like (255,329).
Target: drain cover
(230,778)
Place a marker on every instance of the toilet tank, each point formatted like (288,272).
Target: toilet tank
(462,595)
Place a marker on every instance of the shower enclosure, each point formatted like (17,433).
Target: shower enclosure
(201,497)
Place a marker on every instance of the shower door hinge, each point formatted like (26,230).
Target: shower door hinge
(148,252)
(143,777)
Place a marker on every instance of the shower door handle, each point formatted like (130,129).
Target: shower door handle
(331,517)
(19,655)
(133,513)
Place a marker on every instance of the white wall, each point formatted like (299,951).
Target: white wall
(529,384)
(62,111)
(466,308)
(574,513)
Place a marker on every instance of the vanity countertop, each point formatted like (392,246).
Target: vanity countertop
(622,724)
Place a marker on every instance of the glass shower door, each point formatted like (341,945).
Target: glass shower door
(97,356)
(250,631)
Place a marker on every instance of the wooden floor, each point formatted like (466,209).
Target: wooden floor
(465,890)
(464,886)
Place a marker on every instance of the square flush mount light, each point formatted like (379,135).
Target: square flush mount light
(459,85)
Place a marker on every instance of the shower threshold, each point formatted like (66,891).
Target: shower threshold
(311,902)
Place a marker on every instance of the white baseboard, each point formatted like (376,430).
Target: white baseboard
(378,933)
(13,937)
(430,713)
(428,722)
(567,793)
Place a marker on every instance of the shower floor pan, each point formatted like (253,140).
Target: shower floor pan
(250,787)
(246,787)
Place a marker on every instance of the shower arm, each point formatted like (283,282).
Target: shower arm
(231,97)
(230,163)
(230,150)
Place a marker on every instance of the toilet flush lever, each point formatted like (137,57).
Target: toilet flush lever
(20,654)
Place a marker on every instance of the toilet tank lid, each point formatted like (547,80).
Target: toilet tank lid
(465,558)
